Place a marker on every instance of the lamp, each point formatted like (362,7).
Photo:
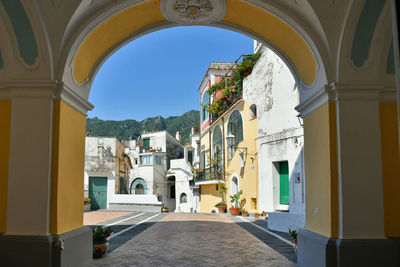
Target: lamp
(230,138)
(298,117)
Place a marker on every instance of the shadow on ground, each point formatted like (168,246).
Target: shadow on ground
(205,241)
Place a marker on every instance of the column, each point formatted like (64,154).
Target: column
(345,200)
(42,176)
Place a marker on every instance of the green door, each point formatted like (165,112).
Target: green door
(98,192)
(284,182)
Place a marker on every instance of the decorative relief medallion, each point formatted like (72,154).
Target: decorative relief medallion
(193,11)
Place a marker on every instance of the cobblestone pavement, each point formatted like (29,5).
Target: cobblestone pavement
(190,240)
(98,216)
(259,228)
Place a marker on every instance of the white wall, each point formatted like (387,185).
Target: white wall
(181,169)
(271,87)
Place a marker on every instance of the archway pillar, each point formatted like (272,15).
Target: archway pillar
(41,207)
(347,210)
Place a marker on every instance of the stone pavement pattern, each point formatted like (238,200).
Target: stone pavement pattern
(96,217)
(194,240)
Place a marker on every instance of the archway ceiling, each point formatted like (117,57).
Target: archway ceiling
(141,17)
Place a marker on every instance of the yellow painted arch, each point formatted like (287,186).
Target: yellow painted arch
(240,14)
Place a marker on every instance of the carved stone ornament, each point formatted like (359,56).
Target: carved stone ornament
(193,11)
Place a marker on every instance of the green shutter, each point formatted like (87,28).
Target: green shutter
(284,182)
(146,143)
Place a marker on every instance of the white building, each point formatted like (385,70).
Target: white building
(187,195)
(107,170)
(272,94)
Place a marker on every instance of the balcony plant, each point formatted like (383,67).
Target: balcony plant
(256,215)
(245,213)
(234,210)
(100,240)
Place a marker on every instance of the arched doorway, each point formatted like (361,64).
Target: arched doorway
(139,187)
(52,78)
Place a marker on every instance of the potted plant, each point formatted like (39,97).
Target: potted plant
(256,215)
(293,235)
(245,213)
(164,208)
(212,211)
(100,241)
(264,213)
(234,210)
(221,206)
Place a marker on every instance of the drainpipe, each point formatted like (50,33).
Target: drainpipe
(223,145)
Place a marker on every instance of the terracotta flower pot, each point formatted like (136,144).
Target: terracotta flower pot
(245,214)
(99,248)
(221,209)
(234,211)
(256,216)
(164,210)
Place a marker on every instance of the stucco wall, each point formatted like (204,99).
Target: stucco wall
(271,87)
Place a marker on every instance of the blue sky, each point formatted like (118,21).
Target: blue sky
(159,73)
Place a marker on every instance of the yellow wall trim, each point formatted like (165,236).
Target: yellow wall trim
(112,32)
(68,159)
(390,168)
(334,170)
(146,14)
(5,124)
(277,33)
(319,140)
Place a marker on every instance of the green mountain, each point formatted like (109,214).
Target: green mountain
(131,129)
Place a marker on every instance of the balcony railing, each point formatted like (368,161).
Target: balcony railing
(209,174)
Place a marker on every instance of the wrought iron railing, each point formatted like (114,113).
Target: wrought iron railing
(208,174)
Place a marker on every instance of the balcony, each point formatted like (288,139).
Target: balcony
(229,91)
(210,175)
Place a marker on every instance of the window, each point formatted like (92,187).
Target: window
(183,198)
(157,160)
(203,160)
(100,141)
(253,111)
(235,128)
(146,159)
(190,157)
(217,148)
(146,142)
(204,103)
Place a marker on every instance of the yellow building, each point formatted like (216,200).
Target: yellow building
(228,145)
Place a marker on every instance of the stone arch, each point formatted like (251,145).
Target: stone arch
(82,60)
(139,184)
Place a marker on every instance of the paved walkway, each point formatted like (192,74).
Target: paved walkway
(192,240)
(96,217)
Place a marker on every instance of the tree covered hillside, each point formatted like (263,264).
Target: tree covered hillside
(131,129)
